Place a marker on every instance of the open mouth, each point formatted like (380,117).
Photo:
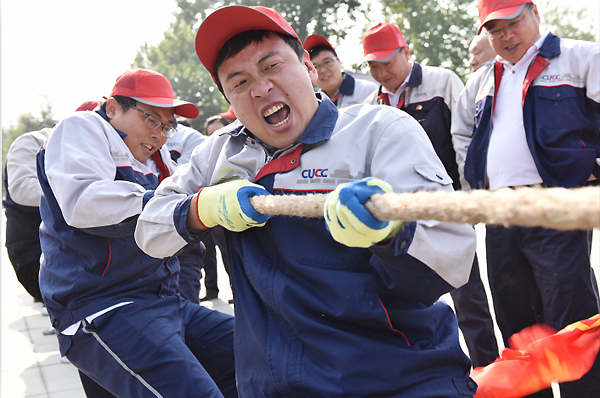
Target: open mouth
(278,115)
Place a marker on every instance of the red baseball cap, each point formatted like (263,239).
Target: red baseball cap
(490,10)
(152,88)
(227,22)
(230,114)
(315,40)
(382,42)
(87,106)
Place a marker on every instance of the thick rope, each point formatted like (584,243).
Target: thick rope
(557,208)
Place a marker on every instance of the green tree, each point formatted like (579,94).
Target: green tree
(175,56)
(26,123)
(438,31)
(565,22)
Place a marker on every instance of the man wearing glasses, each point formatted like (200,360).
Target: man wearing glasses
(115,310)
(532,119)
(341,87)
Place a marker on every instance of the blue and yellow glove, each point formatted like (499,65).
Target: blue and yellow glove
(349,221)
(228,204)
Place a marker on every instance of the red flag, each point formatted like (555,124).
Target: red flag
(538,356)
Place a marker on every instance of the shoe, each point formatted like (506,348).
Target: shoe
(230,301)
(64,360)
(210,296)
(48,332)
(44,310)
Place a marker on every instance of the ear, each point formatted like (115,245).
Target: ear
(312,72)
(112,107)
(406,51)
(536,13)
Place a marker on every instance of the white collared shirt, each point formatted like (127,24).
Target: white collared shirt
(509,160)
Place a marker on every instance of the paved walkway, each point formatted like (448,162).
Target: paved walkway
(31,363)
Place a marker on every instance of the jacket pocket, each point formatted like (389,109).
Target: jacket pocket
(434,174)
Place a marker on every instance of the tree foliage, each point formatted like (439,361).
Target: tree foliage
(437,31)
(175,56)
(565,22)
(26,123)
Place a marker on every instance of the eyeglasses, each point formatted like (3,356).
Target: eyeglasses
(165,131)
(496,33)
(327,62)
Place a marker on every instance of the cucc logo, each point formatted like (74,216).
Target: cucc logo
(312,173)
(551,77)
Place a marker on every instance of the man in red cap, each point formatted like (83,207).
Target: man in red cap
(341,87)
(115,310)
(533,120)
(426,93)
(340,306)
(229,115)
(429,95)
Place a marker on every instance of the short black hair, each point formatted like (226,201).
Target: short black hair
(214,119)
(184,122)
(238,42)
(316,50)
(125,103)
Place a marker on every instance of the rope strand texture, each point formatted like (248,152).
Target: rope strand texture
(557,208)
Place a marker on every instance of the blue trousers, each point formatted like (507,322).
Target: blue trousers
(165,347)
(540,275)
(216,237)
(190,263)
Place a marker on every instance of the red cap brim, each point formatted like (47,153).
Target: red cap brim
(182,108)
(380,56)
(505,13)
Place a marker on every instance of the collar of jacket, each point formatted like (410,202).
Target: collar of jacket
(347,87)
(550,47)
(416,76)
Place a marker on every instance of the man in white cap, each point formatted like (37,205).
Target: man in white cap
(533,120)
(340,306)
(341,87)
(115,310)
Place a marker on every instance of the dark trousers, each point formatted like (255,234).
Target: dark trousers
(540,275)
(93,389)
(475,320)
(165,346)
(27,274)
(216,237)
(190,264)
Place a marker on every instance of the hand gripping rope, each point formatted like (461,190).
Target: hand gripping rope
(557,208)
